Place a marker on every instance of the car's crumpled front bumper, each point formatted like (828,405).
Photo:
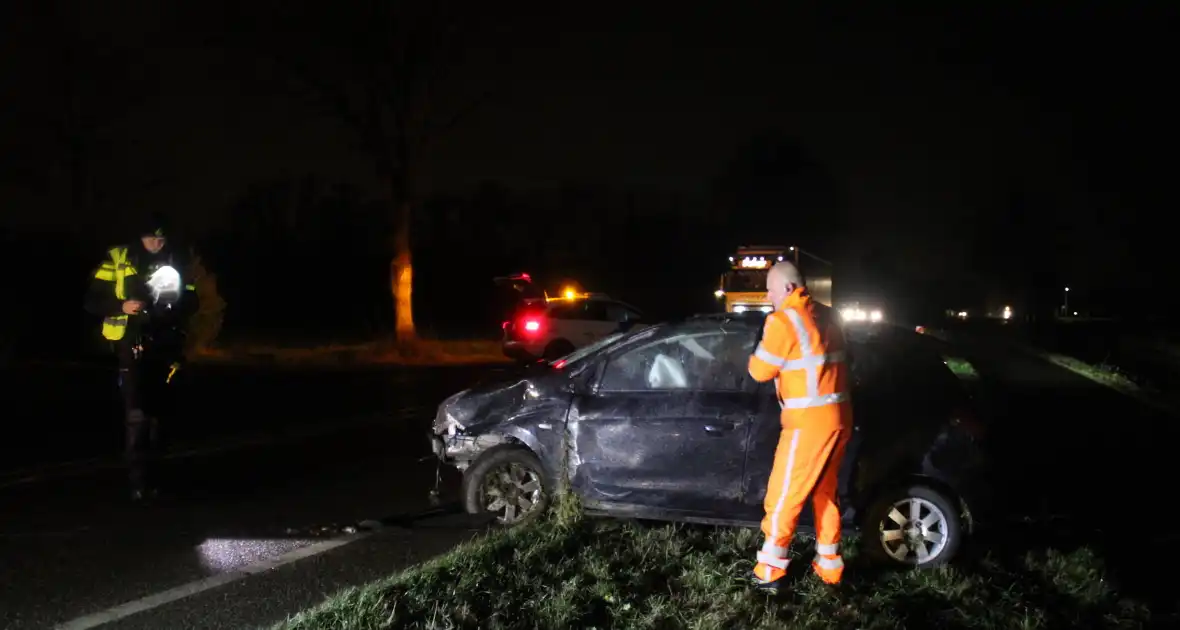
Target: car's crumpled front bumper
(460,450)
(437,446)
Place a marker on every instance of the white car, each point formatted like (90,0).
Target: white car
(554,327)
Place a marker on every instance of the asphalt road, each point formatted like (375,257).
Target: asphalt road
(1083,464)
(262,464)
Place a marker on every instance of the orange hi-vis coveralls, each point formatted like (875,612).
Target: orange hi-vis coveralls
(803,348)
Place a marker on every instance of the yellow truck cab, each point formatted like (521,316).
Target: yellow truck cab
(743,287)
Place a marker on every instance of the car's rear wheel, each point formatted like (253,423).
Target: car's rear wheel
(557,349)
(913,526)
(509,483)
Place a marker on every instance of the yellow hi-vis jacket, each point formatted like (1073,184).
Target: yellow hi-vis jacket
(116,270)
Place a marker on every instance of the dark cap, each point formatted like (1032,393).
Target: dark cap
(154,225)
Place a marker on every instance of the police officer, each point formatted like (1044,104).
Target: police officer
(144,302)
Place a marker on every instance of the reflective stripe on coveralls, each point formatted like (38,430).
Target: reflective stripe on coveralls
(809,365)
(116,270)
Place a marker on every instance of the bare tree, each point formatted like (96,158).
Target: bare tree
(377,66)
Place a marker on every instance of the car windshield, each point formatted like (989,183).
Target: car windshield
(585,351)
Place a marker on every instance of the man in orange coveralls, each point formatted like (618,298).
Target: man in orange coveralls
(803,348)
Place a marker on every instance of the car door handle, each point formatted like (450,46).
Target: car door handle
(716,428)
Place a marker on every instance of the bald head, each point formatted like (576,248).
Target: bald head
(783,278)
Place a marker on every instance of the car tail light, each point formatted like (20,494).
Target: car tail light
(560,364)
(504,325)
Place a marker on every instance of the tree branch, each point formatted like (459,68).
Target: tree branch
(436,130)
(366,120)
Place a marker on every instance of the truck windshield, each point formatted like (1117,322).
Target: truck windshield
(745,281)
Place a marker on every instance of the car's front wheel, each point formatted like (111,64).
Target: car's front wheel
(915,526)
(509,483)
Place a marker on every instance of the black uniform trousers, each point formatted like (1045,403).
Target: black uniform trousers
(148,398)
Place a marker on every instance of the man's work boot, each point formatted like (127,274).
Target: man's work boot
(771,569)
(770,588)
(829,568)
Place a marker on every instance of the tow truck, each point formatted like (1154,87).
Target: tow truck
(743,287)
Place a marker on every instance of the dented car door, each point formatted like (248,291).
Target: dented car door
(661,449)
(667,426)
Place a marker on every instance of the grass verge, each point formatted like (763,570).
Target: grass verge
(1094,373)
(584,573)
(1114,381)
(962,368)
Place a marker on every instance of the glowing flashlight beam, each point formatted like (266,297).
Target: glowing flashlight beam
(164,280)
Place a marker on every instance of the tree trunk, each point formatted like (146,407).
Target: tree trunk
(401,275)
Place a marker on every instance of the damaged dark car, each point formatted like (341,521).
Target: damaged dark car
(665,424)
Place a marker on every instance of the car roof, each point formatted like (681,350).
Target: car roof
(879,335)
(551,302)
(900,347)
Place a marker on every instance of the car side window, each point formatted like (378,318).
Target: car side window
(596,311)
(565,311)
(713,361)
(616,312)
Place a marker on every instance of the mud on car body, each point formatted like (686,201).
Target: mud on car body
(664,423)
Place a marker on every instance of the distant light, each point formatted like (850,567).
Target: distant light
(780,258)
(719,293)
(739,309)
(962,314)
(731,259)
(1007,312)
(1075,313)
(570,293)
(859,315)
(792,248)
(767,309)
(1067,289)
(750,262)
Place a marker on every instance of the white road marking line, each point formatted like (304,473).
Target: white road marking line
(85,466)
(183,591)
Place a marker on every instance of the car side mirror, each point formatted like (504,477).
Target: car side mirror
(580,383)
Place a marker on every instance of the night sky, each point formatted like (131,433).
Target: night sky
(1039,137)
